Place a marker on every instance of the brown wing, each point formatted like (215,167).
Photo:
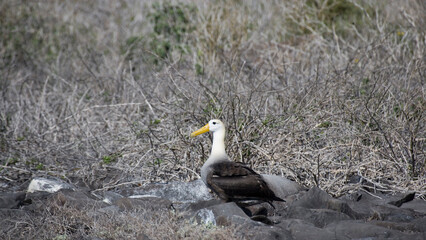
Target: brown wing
(231,169)
(236,181)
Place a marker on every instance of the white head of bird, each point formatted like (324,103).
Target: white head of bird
(218,129)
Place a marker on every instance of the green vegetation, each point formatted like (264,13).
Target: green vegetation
(109,159)
(39,166)
(172,27)
(155,122)
(325,124)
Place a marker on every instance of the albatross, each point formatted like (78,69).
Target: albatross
(232,181)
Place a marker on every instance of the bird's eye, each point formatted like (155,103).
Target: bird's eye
(214,123)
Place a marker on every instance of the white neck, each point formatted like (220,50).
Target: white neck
(218,147)
(218,153)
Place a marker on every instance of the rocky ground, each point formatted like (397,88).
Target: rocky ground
(310,214)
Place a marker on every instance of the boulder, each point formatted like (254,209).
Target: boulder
(10,200)
(315,198)
(300,229)
(47,185)
(221,213)
(177,192)
(366,230)
(148,203)
(282,187)
(318,217)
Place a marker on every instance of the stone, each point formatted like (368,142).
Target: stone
(202,204)
(111,197)
(177,192)
(416,205)
(319,217)
(12,200)
(366,230)
(282,187)
(300,229)
(409,197)
(315,198)
(222,214)
(148,203)
(47,185)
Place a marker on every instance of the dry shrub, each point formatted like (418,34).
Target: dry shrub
(53,221)
(318,91)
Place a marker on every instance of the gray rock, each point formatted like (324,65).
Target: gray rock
(221,214)
(319,217)
(193,207)
(315,198)
(420,225)
(177,192)
(282,187)
(300,229)
(111,197)
(151,203)
(47,185)
(37,200)
(417,205)
(407,198)
(377,208)
(262,233)
(12,199)
(77,199)
(228,209)
(362,230)
(417,225)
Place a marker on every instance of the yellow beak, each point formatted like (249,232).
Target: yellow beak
(201,130)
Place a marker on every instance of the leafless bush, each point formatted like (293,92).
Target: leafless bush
(53,221)
(317,91)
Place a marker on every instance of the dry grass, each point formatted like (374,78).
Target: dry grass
(315,90)
(60,222)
